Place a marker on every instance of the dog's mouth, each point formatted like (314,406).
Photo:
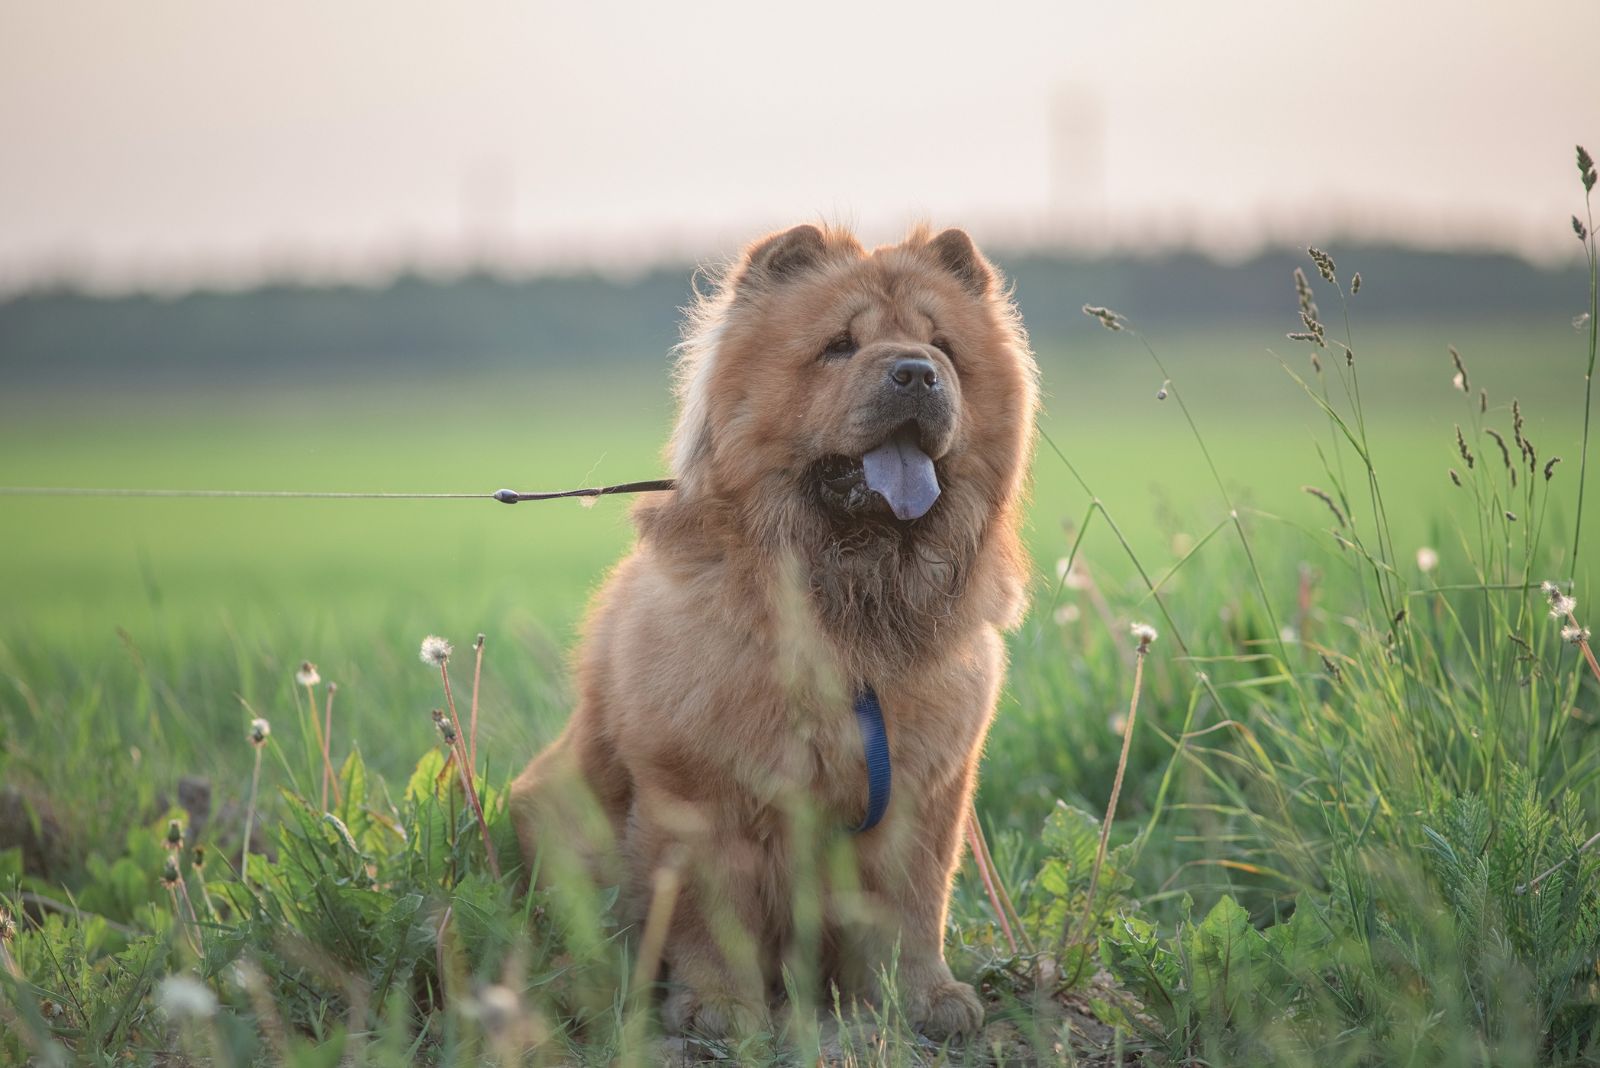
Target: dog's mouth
(897,477)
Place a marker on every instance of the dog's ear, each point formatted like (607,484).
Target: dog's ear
(955,252)
(784,255)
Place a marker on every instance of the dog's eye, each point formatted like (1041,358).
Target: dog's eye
(944,346)
(841,347)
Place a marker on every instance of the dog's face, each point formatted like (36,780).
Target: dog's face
(884,388)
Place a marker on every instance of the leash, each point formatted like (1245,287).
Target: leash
(875,740)
(505,496)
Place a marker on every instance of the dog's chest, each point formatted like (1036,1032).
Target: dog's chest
(828,760)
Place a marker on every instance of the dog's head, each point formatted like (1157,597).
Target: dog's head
(890,389)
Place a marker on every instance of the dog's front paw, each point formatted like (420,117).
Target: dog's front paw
(687,1011)
(945,1009)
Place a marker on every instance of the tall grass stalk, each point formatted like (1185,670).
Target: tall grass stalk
(1586,172)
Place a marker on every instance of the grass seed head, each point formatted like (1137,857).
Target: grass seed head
(1355,283)
(1461,444)
(435,651)
(1108,318)
(1460,381)
(1324,264)
(1453,476)
(259,731)
(1326,498)
(1586,168)
(1579,229)
(1505,451)
(307,675)
(1550,468)
(1483,401)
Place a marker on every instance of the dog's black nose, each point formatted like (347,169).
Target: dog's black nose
(914,375)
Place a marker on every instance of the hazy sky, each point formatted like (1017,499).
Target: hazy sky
(211,140)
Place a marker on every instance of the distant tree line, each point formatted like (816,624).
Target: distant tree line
(53,337)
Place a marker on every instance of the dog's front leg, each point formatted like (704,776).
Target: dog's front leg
(910,865)
(716,946)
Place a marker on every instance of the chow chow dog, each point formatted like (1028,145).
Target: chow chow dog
(850,456)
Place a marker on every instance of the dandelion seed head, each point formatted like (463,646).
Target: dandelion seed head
(1573,634)
(435,651)
(1145,633)
(1550,588)
(1161,394)
(1427,559)
(307,675)
(183,998)
(259,731)
(1562,606)
(496,1007)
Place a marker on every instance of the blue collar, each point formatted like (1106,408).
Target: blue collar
(875,740)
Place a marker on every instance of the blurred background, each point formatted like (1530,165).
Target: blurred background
(442,248)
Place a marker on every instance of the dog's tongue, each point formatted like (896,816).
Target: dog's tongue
(903,474)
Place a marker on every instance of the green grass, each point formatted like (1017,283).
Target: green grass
(1319,841)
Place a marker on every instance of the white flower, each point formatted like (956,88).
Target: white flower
(259,730)
(1145,633)
(307,675)
(1427,559)
(183,998)
(435,651)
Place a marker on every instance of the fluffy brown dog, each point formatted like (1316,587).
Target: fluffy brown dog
(854,433)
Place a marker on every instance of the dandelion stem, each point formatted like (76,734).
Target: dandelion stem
(249,820)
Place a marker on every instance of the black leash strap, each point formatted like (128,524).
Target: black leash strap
(504,496)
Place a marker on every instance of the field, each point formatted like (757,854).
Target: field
(1327,811)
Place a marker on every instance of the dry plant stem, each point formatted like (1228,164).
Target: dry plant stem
(249,821)
(663,901)
(8,963)
(1116,792)
(980,858)
(1583,646)
(1533,884)
(477,807)
(450,703)
(472,733)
